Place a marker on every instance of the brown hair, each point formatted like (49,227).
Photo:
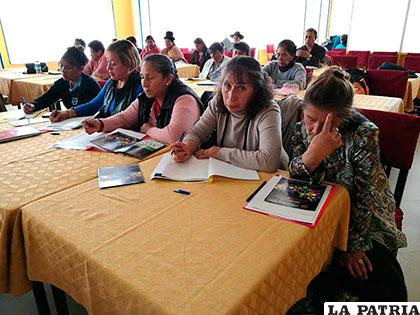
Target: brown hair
(126,52)
(332,91)
(312,30)
(246,69)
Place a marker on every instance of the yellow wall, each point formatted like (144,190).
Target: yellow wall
(124,26)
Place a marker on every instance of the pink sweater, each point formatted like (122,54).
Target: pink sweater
(184,115)
(97,68)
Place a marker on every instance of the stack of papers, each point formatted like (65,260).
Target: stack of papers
(67,124)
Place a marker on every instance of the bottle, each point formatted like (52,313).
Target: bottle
(37,67)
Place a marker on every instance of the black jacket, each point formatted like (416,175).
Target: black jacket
(195,55)
(318,55)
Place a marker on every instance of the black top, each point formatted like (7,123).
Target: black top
(318,55)
(87,90)
(194,60)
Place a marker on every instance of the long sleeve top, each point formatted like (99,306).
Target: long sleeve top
(87,88)
(174,53)
(249,143)
(356,166)
(185,113)
(318,55)
(146,51)
(97,68)
(213,70)
(296,74)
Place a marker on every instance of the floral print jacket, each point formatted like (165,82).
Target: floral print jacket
(356,166)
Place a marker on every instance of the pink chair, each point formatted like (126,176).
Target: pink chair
(362,57)
(270,49)
(184,50)
(385,53)
(188,56)
(412,63)
(229,53)
(377,60)
(391,83)
(344,62)
(252,52)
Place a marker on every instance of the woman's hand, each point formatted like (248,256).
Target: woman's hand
(322,145)
(182,151)
(357,263)
(58,115)
(92,125)
(208,153)
(145,127)
(28,108)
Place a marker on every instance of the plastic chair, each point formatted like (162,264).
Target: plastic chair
(385,53)
(344,61)
(391,83)
(398,134)
(362,57)
(377,60)
(412,63)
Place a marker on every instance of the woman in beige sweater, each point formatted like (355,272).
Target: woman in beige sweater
(246,121)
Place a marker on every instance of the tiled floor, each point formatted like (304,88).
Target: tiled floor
(409,257)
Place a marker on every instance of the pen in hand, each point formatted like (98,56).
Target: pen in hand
(181,137)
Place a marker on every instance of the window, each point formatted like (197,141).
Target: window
(42,30)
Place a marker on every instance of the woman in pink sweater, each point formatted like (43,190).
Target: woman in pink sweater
(165,109)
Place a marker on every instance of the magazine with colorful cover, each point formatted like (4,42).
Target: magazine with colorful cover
(18,133)
(112,176)
(291,199)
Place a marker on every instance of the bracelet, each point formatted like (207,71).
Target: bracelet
(101,128)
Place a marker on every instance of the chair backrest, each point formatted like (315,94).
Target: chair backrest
(344,61)
(377,60)
(398,134)
(270,48)
(228,53)
(385,53)
(252,52)
(362,57)
(338,49)
(414,54)
(387,82)
(188,56)
(184,50)
(412,63)
(338,52)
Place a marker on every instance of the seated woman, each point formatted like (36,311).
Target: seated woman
(165,109)
(73,88)
(200,55)
(337,144)
(343,42)
(213,67)
(119,91)
(97,65)
(284,69)
(150,48)
(246,118)
(171,50)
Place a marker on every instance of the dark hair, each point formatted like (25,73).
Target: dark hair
(132,39)
(96,45)
(332,91)
(199,40)
(161,64)
(79,41)
(289,46)
(242,46)
(313,31)
(343,39)
(247,69)
(149,37)
(126,52)
(170,36)
(75,56)
(215,47)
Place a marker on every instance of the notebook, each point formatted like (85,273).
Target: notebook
(28,121)
(291,199)
(119,175)
(18,133)
(199,170)
(67,124)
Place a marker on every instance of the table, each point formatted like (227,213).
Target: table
(31,88)
(412,92)
(187,70)
(29,171)
(144,249)
(7,76)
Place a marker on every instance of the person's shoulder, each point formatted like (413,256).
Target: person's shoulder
(270,64)
(271,111)
(359,124)
(299,66)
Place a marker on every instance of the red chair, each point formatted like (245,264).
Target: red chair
(252,52)
(377,60)
(398,135)
(413,54)
(270,49)
(338,49)
(188,56)
(362,57)
(339,52)
(387,82)
(385,53)
(344,62)
(309,73)
(184,50)
(228,53)
(412,63)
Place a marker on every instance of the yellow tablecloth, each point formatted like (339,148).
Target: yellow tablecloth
(31,88)
(412,92)
(7,76)
(187,71)
(145,249)
(31,170)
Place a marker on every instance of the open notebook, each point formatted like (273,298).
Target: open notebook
(199,170)
(67,124)
(291,199)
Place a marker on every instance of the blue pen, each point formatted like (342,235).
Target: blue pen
(181,137)
(180,191)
